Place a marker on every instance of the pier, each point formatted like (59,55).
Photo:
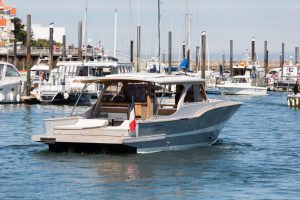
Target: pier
(20,58)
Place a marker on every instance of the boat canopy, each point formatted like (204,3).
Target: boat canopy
(40,67)
(162,79)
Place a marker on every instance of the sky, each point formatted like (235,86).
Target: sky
(275,21)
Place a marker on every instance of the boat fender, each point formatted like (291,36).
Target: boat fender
(2,97)
(11,96)
(66,95)
(18,97)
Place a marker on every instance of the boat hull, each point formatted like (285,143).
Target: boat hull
(184,133)
(10,91)
(201,129)
(232,90)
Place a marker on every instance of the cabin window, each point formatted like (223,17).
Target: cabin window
(196,93)
(83,72)
(11,72)
(122,92)
(291,69)
(138,91)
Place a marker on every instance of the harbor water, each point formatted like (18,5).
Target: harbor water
(257,157)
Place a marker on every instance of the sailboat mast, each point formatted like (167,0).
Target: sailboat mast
(187,24)
(115,39)
(158,30)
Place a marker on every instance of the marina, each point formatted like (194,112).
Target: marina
(257,158)
(149,100)
(151,125)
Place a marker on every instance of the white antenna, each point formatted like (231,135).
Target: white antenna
(115,40)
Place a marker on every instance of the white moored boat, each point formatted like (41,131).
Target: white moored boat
(64,86)
(241,85)
(11,83)
(190,119)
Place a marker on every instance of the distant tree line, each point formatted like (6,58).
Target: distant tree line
(21,35)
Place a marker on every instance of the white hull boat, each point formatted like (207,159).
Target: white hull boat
(241,85)
(11,84)
(128,116)
(64,84)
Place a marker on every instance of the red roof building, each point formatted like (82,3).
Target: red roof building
(7,13)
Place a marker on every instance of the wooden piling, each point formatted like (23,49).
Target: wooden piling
(183,50)
(203,53)
(64,48)
(51,65)
(197,58)
(266,61)
(28,55)
(253,54)
(170,52)
(282,54)
(296,55)
(131,51)
(80,40)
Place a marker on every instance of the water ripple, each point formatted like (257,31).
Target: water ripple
(257,157)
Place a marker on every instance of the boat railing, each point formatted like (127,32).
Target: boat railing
(45,86)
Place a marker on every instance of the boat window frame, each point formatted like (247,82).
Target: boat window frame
(11,72)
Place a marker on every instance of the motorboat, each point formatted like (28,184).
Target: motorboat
(63,85)
(153,65)
(11,83)
(246,80)
(39,71)
(129,117)
(287,76)
(241,85)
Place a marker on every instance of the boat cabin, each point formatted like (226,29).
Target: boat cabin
(241,79)
(119,93)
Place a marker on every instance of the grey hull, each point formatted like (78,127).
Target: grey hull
(184,133)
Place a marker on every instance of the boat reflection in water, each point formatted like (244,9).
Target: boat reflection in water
(128,116)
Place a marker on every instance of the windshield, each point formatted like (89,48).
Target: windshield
(11,72)
(239,80)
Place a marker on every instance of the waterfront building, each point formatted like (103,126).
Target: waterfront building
(7,13)
(40,32)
